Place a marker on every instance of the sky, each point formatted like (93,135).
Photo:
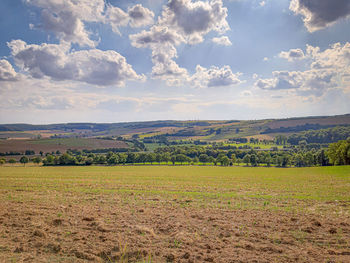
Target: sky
(116,61)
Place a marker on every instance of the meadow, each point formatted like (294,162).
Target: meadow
(174,214)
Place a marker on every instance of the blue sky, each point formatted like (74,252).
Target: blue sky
(112,61)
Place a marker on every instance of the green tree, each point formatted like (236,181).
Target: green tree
(298,160)
(173,159)
(12,161)
(37,160)
(225,161)
(268,161)
(246,159)
(253,160)
(233,158)
(322,158)
(181,158)
(122,158)
(211,159)
(89,161)
(203,158)
(109,154)
(100,159)
(166,157)
(151,158)
(339,152)
(283,160)
(113,159)
(158,158)
(49,160)
(131,158)
(66,159)
(142,158)
(24,160)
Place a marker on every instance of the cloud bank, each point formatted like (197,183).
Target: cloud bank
(7,73)
(319,14)
(181,21)
(66,19)
(327,69)
(92,66)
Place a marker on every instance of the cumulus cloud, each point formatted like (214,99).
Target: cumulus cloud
(224,41)
(162,41)
(214,77)
(327,69)
(335,57)
(58,63)
(7,73)
(292,54)
(140,16)
(181,21)
(39,102)
(67,18)
(195,19)
(137,16)
(116,17)
(156,37)
(321,13)
(53,103)
(307,81)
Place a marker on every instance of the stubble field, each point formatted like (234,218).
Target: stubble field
(174,214)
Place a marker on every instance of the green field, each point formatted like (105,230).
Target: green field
(166,214)
(238,187)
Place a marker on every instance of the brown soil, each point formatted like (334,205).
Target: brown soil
(22,145)
(335,120)
(95,229)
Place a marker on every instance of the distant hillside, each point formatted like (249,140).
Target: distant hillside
(176,130)
(322,121)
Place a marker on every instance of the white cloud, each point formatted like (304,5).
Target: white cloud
(56,62)
(7,73)
(137,16)
(214,77)
(262,3)
(292,54)
(140,16)
(162,41)
(67,18)
(193,20)
(116,17)
(327,69)
(156,37)
(307,82)
(182,21)
(53,103)
(321,13)
(224,41)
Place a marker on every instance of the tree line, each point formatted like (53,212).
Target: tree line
(194,157)
(329,135)
(337,154)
